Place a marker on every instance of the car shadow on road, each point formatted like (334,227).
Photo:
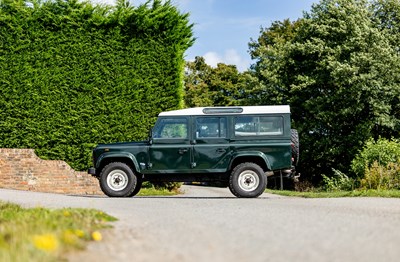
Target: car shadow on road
(165,197)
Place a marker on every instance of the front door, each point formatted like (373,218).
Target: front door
(171,151)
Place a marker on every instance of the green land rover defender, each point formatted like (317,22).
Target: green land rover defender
(236,146)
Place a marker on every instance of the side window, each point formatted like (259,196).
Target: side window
(271,125)
(211,127)
(246,126)
(171,128)
(258,126)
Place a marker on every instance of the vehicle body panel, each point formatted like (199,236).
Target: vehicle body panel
(184,147)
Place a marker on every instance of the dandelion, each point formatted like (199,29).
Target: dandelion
(96,236)
(69,237)
(79,233)
(45,242)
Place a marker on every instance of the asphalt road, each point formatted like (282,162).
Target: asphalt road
(208,224)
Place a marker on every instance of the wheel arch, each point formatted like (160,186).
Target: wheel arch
(253,157)
(128,159)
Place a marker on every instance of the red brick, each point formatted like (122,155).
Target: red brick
(19,167)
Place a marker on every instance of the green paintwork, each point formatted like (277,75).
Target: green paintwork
(123,155)
(253,154)
(170,157)
(185,153)
(132,153)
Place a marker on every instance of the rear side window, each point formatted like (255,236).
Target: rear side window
(211,127)
(258,126)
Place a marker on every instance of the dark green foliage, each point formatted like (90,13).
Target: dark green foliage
(73,75)
(339,69)
(220,86)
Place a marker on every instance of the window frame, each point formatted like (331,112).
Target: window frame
(158,125)
(222,120)
(257,132)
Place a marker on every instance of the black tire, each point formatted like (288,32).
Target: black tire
(137,188)
(247,180)
(118,180)
(295,146)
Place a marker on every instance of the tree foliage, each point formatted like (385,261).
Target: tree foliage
(220,86)
(73,74)
(382,151)
(338,67)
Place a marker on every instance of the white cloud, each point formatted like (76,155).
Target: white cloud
(230,57)
(212,58)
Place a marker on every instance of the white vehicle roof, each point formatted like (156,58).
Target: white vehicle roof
(283,109)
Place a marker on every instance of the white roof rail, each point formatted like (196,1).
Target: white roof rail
(234,110)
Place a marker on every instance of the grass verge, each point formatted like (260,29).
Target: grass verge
(156,192)
(334,194)
(160,189)
(39,234)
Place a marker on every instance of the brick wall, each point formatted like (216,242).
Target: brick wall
(22,169)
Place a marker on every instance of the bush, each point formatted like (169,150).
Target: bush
(382,177)
(304,186)
(170,186)
(73,74)
(339,181)
(382,151)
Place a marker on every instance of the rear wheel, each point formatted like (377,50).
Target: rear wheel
(118,180)
(247,180)
(295,146)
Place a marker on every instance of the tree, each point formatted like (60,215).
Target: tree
(220,86)
(387,13)
(267,51)
(339,71)
(197,76)
(73,74)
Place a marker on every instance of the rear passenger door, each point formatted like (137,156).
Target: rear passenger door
(211,144)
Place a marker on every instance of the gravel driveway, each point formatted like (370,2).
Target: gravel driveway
(208,224)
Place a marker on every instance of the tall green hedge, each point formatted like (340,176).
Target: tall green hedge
(74,74)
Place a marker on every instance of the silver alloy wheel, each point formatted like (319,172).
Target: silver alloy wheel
(117,180)
(248,180)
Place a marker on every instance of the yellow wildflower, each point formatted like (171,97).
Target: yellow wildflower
(45,242)
(96,236)
(69,237)
(79,233)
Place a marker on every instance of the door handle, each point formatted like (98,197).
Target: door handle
(221,150)
(182,151)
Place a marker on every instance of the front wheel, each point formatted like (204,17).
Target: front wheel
(137,188)
(247,180)
(118,180)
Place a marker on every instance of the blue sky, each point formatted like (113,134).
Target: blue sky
(223,28)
